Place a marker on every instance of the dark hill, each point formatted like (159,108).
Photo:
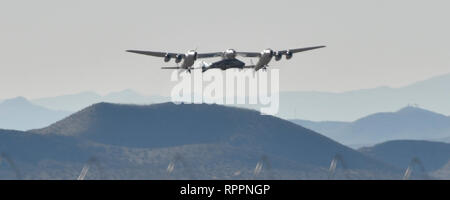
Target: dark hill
(433,155)
(30,147)
(169,125)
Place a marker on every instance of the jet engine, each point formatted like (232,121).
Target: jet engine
(167,58)
(178,58)
(278,56)
(288,55)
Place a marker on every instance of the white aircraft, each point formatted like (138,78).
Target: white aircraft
(228,58)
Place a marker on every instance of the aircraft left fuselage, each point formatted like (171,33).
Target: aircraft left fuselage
(189,60)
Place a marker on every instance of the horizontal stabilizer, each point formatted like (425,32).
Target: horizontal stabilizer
(170,67)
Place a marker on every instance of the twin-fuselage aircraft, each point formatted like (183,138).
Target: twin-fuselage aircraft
(228,60)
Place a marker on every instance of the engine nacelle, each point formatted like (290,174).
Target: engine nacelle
(167,58)
(178,58)
(278,56)
(288,55)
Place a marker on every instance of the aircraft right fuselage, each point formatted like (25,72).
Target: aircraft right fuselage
(264,60)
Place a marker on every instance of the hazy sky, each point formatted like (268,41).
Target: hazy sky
(54,47)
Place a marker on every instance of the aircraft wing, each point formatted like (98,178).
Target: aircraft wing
(300,49)
(249,54)
(209,55)
(257,54)
(155,53)
(219,54)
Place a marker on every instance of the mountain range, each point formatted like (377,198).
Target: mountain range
(432,94)
(407,123)
(212,141)
(203,141)
(20,114)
